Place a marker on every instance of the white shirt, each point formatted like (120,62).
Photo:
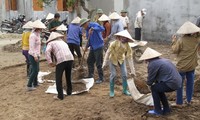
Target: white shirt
(125,21)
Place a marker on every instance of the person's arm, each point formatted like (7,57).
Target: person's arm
(176,45)
(152,73)
(48,53)
(98,28)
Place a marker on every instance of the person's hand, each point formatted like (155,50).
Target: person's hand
(52,65)
(36,59)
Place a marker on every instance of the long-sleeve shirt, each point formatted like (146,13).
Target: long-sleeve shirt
(117,26)
(34,44)
(107,30)
(186,49)
(25,40)
(96,39)
(73,35)
(162,70)
(60,50)
(138,20)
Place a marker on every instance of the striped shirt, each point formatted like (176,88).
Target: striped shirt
(34,44)
(60,50)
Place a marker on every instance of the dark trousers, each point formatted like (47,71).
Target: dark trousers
(95,56)
(25,53)
(60,68)
(158,92)
(76,48)
(137,33)
(34,72)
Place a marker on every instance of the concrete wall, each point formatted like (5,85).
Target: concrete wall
(164,17)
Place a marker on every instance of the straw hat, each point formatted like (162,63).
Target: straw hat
(61,28)
(53,36)
(188,28)
(50,16)
(104,18)
(83,21)
(114,15)
(38,24)
(126,34)
(28,25)
(149,54)
(76,20)
(100,11)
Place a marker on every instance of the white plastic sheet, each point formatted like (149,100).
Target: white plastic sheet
(137,96)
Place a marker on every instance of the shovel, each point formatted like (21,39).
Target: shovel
(82,69)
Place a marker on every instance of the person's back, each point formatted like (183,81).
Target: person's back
(187,53)
(165,72)
(73,35)
(54,23)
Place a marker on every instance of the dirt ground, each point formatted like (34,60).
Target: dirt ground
(18,104)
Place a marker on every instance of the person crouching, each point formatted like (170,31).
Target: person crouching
(58,49)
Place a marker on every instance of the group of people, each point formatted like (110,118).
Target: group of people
(113,38)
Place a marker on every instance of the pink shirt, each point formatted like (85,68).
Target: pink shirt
(34,44)
(60,50)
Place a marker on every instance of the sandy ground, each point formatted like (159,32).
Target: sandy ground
(18,104)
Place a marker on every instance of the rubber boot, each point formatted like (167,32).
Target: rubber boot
(112,94)
(125,91)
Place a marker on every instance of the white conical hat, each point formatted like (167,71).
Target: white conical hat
(38,24)
(53,36)
(149,54)
(62,27)
(114,15)
(28,25)
(126,34)
(50,16)
(188,28)
(104,18)
(76,20)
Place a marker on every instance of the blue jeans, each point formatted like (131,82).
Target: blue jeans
(189,87)
(34,72)
(113,71)
(158,93)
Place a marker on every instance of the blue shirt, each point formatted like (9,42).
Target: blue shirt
(117,26)
(162,70)
(73,34)
(96,39)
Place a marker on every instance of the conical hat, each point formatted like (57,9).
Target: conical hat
(114,15)
(38,24)
(76,20)
(188,28)
(126,34)
(104,18)
(61,28)
(149,54)
(50,16)
(53,36)
(28,25)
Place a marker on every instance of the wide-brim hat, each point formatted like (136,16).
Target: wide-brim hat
(188,28)
(50,16)
(104,18)
(100,11)
(149,54)
(61,28)
(53,36)
(76,20)
(114,15)
(83,21)
(125,34)
(28,25)
(38,24)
